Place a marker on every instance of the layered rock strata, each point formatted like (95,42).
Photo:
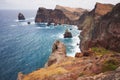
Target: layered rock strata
(103,32)
(51,16)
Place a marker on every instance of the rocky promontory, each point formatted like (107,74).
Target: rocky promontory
(103,65)
(58,53)
(60,15)
(53,16)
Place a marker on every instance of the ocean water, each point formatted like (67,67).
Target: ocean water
(25,48)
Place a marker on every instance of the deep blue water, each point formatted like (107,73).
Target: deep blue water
(25,48)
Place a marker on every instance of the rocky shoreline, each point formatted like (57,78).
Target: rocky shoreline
(100,46)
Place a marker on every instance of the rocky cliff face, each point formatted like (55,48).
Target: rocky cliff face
(58,53)
(103,65)
(72,13)
(60,15)
(103,33)
(93,16)
(53,16)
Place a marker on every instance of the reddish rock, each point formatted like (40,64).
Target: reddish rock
(103,32)
(78,55)
(52,16)
(58,53)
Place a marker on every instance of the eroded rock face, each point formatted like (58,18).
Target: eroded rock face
(21,16)
(71,13)
(80,68)
(99,10)
(52,16)
(58,53)
(102,9)
(103,33)
(113,75)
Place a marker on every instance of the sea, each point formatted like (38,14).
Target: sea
(26,47)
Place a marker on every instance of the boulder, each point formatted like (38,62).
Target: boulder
(78,55)
(21,16)
(67,34)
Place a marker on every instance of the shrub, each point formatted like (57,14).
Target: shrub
(110,65)
(100,51)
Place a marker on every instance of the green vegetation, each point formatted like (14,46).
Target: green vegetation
(100,51)
(110,65)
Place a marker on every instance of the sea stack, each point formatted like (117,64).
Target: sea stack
(21,16)
(67,34)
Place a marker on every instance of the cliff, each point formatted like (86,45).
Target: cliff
(100,45)
(103,65)
(94,15)
(53,16)
(71,13)
(60,15)
(104,32)
(58,53)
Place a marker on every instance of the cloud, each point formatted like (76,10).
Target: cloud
(34,4)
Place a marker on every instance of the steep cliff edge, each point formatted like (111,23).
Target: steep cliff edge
(102,65)
(102,31)
(93,16)
(60,15)
(53,16)
(71,13)
(58,53)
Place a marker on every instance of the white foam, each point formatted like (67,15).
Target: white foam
(13,25)
(30,18)
(60,36)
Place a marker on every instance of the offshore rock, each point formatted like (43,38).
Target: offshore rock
(58,53)
(21,16)
(67,34)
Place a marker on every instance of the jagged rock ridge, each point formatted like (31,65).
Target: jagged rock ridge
(103,33)
(58,53)
(71,13)
(94,15)
(53,16)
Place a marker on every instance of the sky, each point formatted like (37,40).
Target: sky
(34,4)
